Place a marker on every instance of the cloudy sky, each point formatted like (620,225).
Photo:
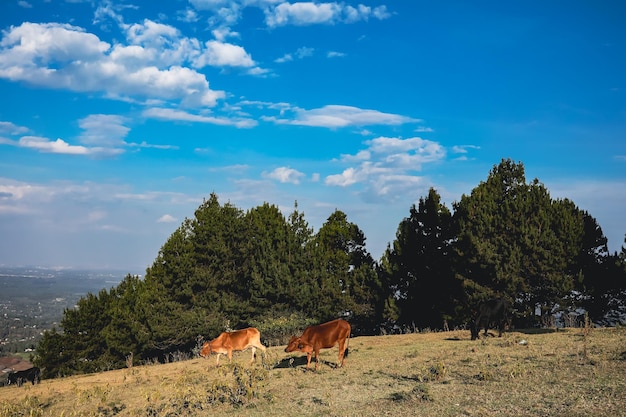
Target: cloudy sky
(118,118)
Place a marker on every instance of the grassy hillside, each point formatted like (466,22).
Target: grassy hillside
(572,372)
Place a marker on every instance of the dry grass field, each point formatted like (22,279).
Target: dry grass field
(572,372)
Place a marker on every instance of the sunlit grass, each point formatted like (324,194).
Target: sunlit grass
(572,372)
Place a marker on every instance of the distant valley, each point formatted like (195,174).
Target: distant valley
(33,299)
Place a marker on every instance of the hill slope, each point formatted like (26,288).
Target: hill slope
(574,372)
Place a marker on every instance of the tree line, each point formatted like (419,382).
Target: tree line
(226,268)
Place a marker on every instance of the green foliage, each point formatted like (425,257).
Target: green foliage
(222,270)
(278,325)
(226,269)
(345,280)
(514,240)
(417,268)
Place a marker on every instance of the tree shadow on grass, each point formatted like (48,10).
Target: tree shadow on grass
(291,362)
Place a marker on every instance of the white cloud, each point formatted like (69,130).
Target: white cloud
(103,130)
(227,13)
(172,114)
(59,146)
(348,177)
(284,58)
(285,175)
(153,34)
(304,52)
(463,149)
(219,54)
(224,32)
(386,166)
(167,218)
(335,54)
(309,13)
(302,13)
(64,56)
(144,144)
(300,53)
(47,146)
(336,116)
(187,15)
(12,129)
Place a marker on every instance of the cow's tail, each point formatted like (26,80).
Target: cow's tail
(345,353)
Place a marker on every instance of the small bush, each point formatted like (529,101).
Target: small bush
(419,393)
(235,386)
(28,407)
(436,372)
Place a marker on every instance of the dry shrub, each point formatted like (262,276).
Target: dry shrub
(419,393)
(191,394)
(27,407)
(436,372)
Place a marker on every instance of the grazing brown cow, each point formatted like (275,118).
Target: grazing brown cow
(226,342)
(322,336)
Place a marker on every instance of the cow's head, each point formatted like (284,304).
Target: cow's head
(293,344)
(296,343)
(206,350)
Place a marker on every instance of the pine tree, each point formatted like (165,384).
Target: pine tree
(513,240)
(418,267)
(347,283)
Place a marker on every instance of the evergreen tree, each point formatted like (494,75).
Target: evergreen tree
(300,261)
(418,267)
(198,272)
(347,283)
(513,240)
(52,355)
(267,258)
(603,281)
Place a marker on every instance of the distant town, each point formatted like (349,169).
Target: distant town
(32,300)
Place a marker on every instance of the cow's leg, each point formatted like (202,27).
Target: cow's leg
(230,356)
(308,359)
(484,323)
(317,358)
(218,359)
(253,354)
(342,350)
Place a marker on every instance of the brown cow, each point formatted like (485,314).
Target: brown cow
(322,336)
(226,342)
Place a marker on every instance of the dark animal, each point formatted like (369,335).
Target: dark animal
(19,377)
(491,311)
(322,336)
(227,342)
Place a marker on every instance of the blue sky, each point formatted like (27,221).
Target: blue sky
(118,117)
